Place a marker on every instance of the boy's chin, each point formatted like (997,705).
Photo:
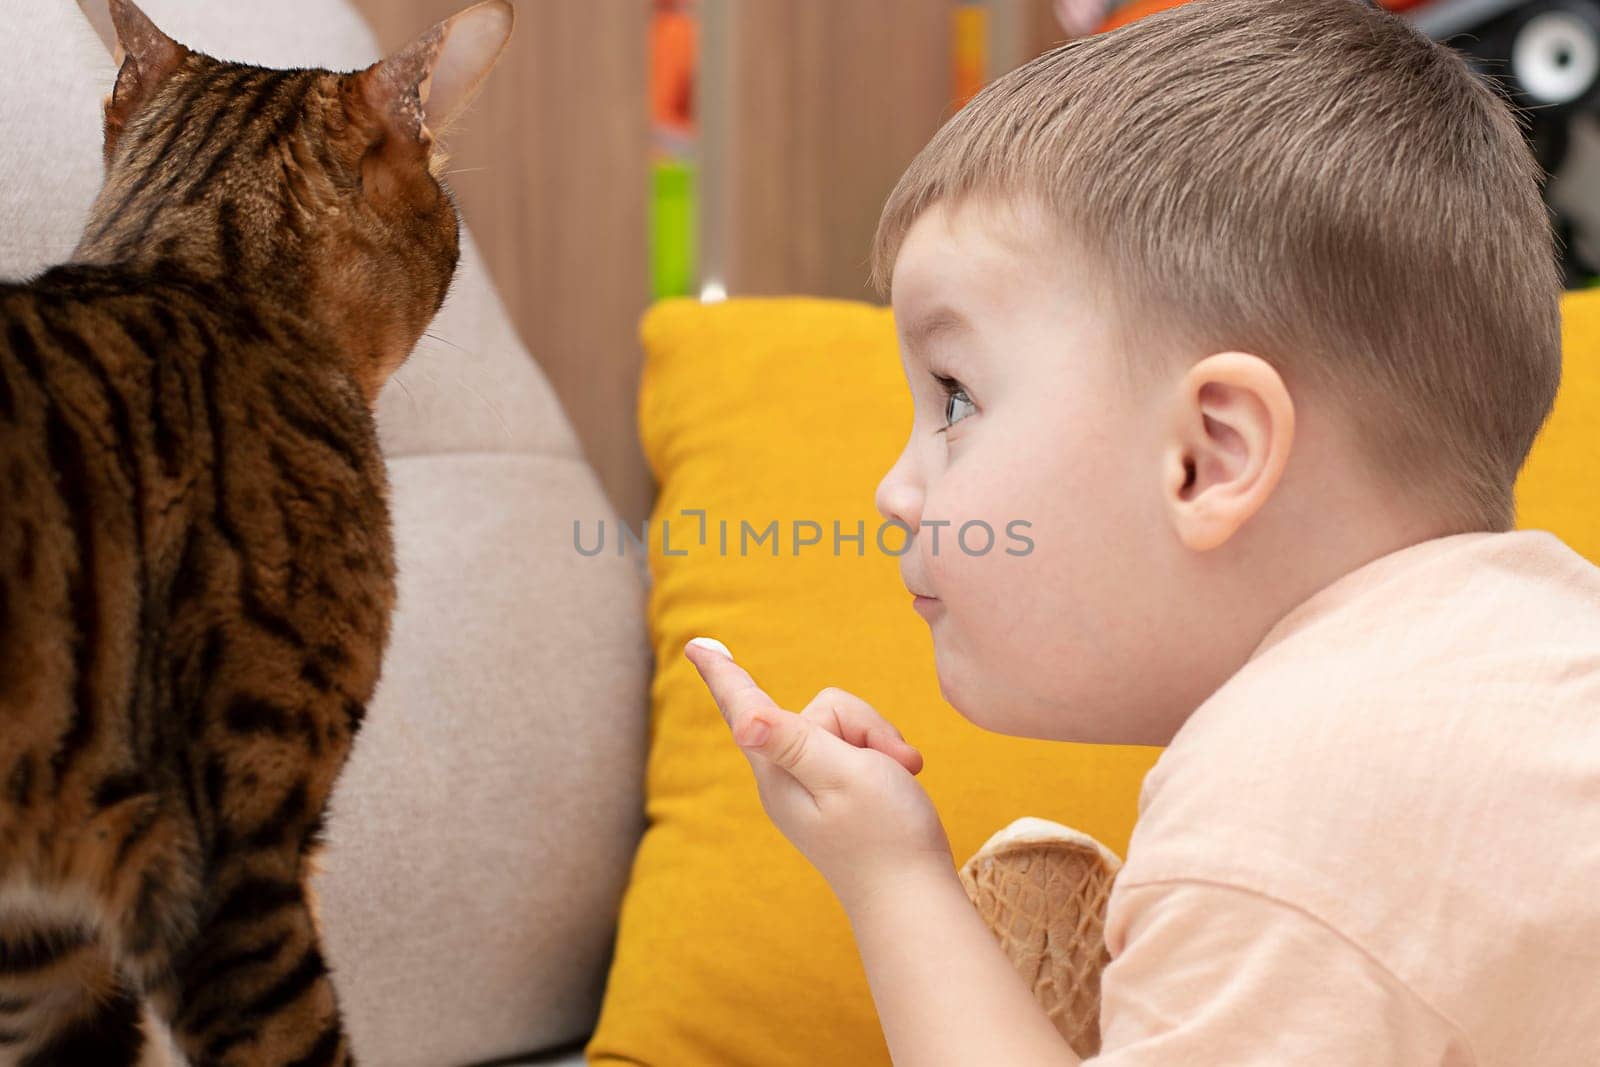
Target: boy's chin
(981,705)
(994,712)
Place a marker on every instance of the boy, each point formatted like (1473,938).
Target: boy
(1251,308)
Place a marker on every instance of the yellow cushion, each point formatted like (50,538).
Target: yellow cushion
(1559,489)
(730,948)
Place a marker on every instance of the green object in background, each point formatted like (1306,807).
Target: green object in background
(672,227)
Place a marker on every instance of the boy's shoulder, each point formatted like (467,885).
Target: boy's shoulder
(1418,731)
(1501,629)
(1424,665)
(1452,612)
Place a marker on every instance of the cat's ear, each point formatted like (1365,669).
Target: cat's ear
(143,53)
(423,87)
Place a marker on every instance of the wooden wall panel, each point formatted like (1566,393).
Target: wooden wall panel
(826,102)
(1043,32)
(1020,30)
(551,174)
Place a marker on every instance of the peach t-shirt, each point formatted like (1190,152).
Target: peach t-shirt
(1379,842)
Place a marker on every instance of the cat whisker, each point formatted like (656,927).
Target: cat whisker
(443,340)
(500,418)
(406,389)
(504,428)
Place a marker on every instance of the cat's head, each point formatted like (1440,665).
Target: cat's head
(313,190)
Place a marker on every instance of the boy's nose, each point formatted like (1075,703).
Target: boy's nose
(898,498)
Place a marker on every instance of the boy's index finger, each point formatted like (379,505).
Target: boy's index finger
(731,686)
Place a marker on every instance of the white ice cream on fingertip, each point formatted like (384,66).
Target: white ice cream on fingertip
(712,642)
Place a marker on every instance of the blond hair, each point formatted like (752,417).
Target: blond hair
(1311,181)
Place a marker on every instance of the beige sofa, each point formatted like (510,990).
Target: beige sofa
(482,833)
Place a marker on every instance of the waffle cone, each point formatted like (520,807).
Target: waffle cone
(1042,889)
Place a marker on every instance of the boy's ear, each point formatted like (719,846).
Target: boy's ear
(143,53)
(1232,433)
(421,89)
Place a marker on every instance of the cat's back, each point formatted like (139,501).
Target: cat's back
(173,454)
(72,538)
(94,363)
(180,493)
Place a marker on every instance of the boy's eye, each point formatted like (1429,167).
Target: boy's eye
(955,395)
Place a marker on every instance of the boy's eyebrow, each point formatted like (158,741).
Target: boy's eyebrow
(941,320)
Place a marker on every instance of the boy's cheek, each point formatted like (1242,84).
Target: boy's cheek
(975,557)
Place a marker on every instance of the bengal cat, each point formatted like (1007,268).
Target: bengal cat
(196,570)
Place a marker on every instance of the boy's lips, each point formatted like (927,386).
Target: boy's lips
(919,600)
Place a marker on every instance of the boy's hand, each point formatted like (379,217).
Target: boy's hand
(836,779)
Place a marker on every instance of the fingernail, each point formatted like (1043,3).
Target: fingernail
(712,643)
(755,735)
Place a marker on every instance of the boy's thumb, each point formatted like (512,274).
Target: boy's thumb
(813,755)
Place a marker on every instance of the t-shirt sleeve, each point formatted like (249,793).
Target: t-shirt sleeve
(1212,973)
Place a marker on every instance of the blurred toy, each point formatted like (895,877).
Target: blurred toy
(1081,17)
(970,34)
(1547,50)
(1546,55)
(672,65)
(673,49)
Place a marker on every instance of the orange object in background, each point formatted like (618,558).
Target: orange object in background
(1135,11)
(672,56)
(1140,8)
(970,36)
